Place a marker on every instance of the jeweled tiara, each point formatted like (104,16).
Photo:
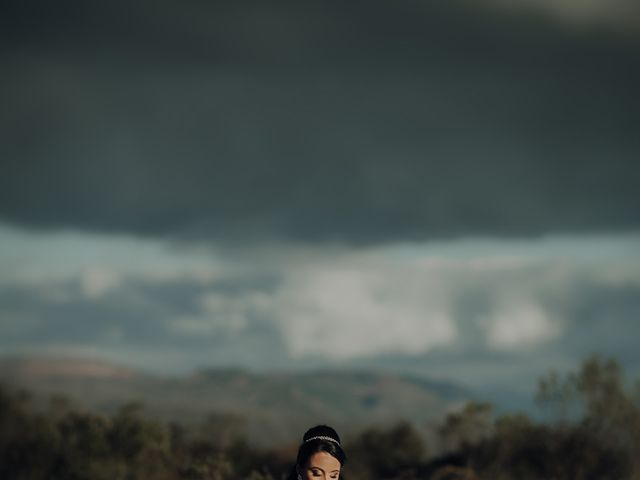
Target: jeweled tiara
(322,437)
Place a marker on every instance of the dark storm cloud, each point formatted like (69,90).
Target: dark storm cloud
(327,120)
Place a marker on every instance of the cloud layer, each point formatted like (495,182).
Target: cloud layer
(409,185)
(458,306)
(232,123)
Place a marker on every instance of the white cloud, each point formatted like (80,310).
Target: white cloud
(343,312)
(96,282)
(521,324)
(221,311)
(190,325)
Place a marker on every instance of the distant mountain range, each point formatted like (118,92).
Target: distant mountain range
(265,407)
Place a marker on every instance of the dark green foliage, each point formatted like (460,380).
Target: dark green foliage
(543,452)
(388,453)
(595,436)
(466,426)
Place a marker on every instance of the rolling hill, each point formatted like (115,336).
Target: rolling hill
(266,407)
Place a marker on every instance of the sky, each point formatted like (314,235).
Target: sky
(441,188)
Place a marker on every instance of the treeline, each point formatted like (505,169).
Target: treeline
(594,434)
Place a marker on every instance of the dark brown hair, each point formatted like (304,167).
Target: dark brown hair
(320,438)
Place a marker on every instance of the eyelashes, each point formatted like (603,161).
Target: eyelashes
(319,474)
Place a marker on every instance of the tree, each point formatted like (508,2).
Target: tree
(387,453)
(467,426)
(604,404)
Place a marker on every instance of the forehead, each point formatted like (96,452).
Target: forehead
(325,461)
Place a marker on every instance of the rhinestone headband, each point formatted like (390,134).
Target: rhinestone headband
(322,437)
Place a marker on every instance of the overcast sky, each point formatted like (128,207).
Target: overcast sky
(426,186)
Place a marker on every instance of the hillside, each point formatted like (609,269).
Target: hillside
(266,407)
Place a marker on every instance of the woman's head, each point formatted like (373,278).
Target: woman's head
(320,456)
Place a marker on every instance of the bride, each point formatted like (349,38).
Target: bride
(320,456)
